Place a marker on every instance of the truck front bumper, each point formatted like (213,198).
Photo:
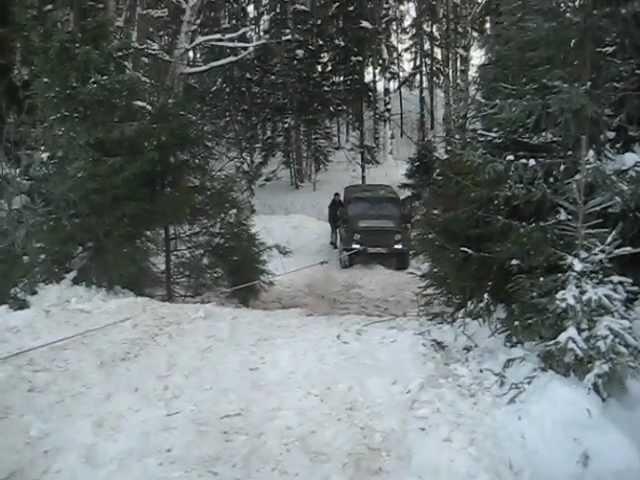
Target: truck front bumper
(396,248)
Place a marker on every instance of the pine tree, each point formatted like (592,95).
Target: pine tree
(81,113)
(589,313)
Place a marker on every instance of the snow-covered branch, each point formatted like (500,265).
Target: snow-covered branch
(237,44)
(218,37)
(215,64)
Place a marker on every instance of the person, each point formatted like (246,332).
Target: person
(335,210)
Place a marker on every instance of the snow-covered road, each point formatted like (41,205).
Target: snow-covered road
(197,391)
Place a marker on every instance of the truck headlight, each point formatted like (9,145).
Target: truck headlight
(356,236)
(398,237)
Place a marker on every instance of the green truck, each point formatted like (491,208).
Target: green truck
(373,222)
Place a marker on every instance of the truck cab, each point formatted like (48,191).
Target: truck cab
(373,222)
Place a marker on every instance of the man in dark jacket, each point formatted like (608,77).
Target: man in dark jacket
(335,211)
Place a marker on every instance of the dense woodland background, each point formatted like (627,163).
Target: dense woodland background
(135,132)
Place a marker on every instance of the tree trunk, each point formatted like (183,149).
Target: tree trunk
(77,15)
(316,170)
(587,69)
(298,152)
(130,16)
(338,133)
(462,87)
(399,67)
(454,25)
(446,71)
(432,74)
(288,155)
(401,104)
(462,114)
(308,133)
(168,277)
(386,95)
(111,9)
(374,105)
(363,155)
(189,23)
(388,144)
(265,148)
(421,100)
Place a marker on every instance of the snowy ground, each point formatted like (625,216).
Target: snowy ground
(200,391)
(348,385)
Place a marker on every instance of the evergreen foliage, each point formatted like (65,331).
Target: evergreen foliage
(498,223)
(117,155)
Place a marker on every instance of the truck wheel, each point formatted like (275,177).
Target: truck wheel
(402,261)
(346,260)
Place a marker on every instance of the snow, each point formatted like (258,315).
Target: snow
(156,12)
(200,391)
(560,432)
(625,161)
(191,391)
(141,104)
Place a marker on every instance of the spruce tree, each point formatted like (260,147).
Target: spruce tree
(490,225)
(588,311)
(118,153)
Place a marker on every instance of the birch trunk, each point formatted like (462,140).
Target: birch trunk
(387,144)
(190,20)
(421,100)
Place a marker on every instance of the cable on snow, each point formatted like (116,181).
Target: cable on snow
(127,319)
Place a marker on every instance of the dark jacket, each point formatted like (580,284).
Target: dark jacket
(335,208)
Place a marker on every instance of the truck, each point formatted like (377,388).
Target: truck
(373,221)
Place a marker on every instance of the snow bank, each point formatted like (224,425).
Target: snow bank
(555,430)
(625,413)
(559,432)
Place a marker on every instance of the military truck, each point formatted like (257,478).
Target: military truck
(373,222)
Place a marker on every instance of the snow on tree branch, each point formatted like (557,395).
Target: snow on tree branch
(215,64)
(217,37)
(237,44)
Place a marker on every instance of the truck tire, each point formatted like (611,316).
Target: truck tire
(346,260)
(402,261)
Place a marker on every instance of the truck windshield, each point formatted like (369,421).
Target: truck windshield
(373,207)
